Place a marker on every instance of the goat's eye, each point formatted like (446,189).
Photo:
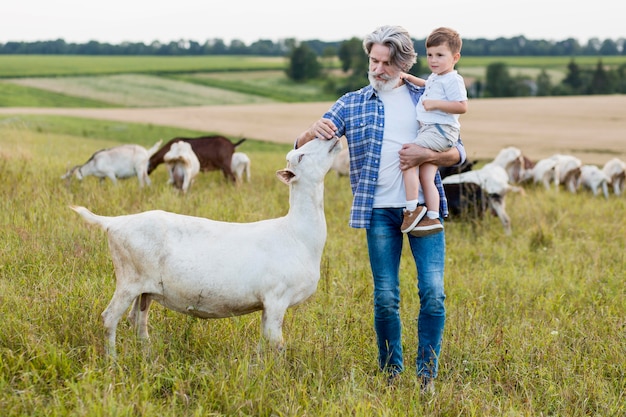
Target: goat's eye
(300,157)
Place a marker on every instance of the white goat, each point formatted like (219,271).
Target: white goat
(494,181)
(182,164)
(512,160)
(568,169)
(594,179)
(562,169)
(213,269)
(122,161)
(615,170)
(240,164)
(543,172)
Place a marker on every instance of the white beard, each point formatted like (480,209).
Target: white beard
(383,85)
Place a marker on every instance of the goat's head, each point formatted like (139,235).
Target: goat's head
(315,158)
(71,171)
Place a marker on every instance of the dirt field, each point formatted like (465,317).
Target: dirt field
(593,128)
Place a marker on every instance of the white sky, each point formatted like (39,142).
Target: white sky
(116,21)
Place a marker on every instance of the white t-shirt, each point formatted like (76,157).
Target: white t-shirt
(400,128)
(449,87)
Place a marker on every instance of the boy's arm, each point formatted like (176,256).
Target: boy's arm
(420,82)
(451,107)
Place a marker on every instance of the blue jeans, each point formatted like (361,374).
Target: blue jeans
(384,242)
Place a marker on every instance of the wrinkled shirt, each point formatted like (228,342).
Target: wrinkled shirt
(360,117)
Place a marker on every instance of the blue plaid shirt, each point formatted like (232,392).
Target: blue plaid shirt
(360,117)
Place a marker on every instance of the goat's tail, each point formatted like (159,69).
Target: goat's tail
(90,217)
(155,148)
(242,140)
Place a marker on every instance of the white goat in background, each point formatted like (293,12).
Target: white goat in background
(594,179)
(558,168)
(240,165)
(182,164)
(512,160)
(214,269)
(615,170)
(121,162)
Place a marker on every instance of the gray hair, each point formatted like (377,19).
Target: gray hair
(401,50)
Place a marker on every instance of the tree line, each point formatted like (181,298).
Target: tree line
(514,46)
(307,61)
(304,65)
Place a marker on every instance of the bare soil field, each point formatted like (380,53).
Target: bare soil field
(593,128)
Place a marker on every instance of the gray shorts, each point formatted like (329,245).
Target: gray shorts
(437,137)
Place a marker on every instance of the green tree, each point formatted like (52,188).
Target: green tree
(600,81)
(573,79)
(498,80)
(350,53)
(544,85)
(303,64)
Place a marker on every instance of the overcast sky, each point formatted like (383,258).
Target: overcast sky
(116,21)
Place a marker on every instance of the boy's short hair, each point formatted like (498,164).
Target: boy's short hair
(443,35)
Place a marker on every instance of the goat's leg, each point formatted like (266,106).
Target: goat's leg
(112,177)
(138,315)
(144,178)
(111,316)
(272,325)
(186,182)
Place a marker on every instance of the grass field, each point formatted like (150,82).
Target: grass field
(536,321)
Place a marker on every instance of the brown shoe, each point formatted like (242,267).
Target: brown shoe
(411,218)
(427,227)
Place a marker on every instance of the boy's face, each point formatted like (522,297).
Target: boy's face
(440,59)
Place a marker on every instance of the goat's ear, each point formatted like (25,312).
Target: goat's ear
(285,175)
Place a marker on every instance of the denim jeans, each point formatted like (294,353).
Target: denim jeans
(384,242)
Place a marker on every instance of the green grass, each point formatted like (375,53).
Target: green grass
(13,95)
(535,321)
(18,66)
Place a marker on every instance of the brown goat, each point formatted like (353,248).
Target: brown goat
(213,152)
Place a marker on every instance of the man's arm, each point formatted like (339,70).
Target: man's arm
(412,155)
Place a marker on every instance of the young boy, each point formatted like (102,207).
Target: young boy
(438,110)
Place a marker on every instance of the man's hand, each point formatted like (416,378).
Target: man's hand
(412,155)
(322,128)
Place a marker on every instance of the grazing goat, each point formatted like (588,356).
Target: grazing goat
(122,161)
(213,152)
(560,169)
(183,165)
(494,184)
(512,160)
(213,269)
(543,172)
(615,170)
(341,165)
(594,179)
(240,165)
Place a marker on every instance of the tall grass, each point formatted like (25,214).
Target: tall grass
(536,321)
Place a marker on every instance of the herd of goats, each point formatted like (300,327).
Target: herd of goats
(471,192)
(467,189)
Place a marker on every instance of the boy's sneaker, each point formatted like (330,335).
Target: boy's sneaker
(427,226)
(412,218)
